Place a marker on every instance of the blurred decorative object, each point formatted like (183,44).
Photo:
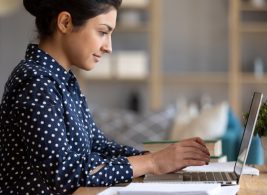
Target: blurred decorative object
(130,18)
(211,123)
(258,67)
(134,102)
(258,3)
(261,127)
(102,70)
(132,64)
(132,129)
(205,101)
(9,6)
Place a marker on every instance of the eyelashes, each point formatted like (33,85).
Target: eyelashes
(102,33)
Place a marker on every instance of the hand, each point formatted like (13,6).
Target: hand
(190,152)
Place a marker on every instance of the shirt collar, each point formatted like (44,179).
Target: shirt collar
(40,57)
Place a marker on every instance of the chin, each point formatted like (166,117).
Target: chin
(88,67)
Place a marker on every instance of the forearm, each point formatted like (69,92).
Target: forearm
(112,149)
(141,165)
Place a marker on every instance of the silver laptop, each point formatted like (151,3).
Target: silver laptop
(224,178)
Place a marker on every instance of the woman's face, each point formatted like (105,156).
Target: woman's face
(85,45)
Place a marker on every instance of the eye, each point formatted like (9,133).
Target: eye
(103,33)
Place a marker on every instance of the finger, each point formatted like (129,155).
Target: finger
(191,149)
(195,145)
(196,139)
(190,153)
(186,163)
(200,141)
(190,162)
(193,154)
(197,156)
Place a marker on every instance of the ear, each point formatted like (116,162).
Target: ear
(64,22)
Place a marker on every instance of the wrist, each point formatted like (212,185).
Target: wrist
(151,163)
(142,165)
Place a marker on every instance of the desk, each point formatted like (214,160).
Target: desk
(249,185)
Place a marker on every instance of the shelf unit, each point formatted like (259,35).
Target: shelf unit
(233,81)
(243,82)
(196,78)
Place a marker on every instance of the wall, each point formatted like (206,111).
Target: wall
(195,35)
(16,30)
(195,39)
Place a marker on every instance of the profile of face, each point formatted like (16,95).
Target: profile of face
(84,46)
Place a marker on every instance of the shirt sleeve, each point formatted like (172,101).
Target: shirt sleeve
(40,117)
(108,147)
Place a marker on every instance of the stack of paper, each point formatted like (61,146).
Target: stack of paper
(132,64)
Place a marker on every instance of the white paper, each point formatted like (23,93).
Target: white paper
(169,189)
(111,191)
(222,167)
(229,190)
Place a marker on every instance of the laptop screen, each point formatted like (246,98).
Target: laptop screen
(248,132)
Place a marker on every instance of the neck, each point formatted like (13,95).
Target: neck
(54,49)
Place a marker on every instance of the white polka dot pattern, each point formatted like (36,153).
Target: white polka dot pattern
(49,143)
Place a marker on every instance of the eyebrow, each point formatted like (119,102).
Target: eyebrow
(109,27)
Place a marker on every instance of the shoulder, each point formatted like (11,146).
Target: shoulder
(30,81)
(28,72)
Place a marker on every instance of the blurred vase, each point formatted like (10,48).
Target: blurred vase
(258,3)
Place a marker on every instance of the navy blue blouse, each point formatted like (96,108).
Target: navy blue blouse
(49,143)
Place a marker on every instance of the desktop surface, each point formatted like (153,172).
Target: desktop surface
(249,185)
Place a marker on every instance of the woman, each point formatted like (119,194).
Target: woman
(49,141)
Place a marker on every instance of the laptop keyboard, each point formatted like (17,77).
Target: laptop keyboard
(209,176)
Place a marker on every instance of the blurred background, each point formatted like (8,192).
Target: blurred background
(174,63)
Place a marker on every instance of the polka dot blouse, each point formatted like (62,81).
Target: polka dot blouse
(49,143)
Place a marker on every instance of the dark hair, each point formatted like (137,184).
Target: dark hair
(46,11)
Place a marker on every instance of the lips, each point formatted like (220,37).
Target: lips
(97,57)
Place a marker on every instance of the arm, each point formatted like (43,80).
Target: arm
(50,147)
(191,152)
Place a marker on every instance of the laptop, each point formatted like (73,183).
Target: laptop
(224,178)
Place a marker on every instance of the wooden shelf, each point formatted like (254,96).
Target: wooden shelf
(115,79)
(131,29)
(196,78)
(238,25)
(252,8)
(254,27)
(250,78)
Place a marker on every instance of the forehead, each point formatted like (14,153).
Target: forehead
(108,18)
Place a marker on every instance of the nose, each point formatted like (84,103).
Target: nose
(107,47)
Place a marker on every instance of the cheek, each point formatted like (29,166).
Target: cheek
(77,51)
(80,49)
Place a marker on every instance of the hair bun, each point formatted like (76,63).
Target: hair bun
(32,6)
